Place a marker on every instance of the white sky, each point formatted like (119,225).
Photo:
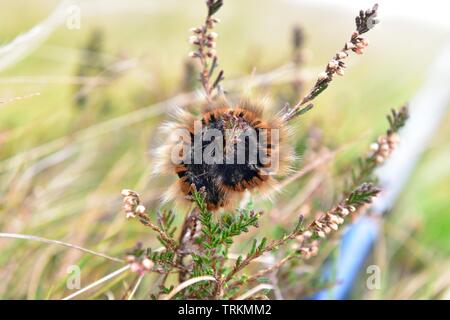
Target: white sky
(430,11)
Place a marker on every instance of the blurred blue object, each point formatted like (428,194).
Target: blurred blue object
(355,246)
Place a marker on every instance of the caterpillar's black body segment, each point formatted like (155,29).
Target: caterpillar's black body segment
(235,163)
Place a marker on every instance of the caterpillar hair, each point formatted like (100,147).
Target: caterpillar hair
(249,129)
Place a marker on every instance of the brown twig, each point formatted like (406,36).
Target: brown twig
(364,22)
(263,272)
(204,40)
(260,251)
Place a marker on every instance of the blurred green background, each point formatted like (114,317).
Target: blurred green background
(87,119)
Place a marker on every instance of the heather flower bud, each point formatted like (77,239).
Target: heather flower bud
(128,207)
(130,215)
(379,159)
(342,55)
(212,35)
(333,226)
(194,40)
(211,53)
(127,192)
(196,30)
(322,76)
(394,138)
(384,147)
(140,209)
(307,234)
(344,212)
(211,22)
(193,54)
(135,267)
(333,64)
(349,46)
(360,45)
(147,264)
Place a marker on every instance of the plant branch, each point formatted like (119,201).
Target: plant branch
(204,41)
(364,22)
(134,209)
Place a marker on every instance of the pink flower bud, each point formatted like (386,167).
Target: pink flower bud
(130,215)
(349,46)
(342,55)
(126,192)
(374,147)
(211,53)
(140,209)
(322,76)
(307,234)
(193,54)
(333,226)
(194,40)
(196,30)
(148,264)
(135,267)
(333,64)
(340,71)
(212,35)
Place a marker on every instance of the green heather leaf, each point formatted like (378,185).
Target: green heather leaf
(253,249)
(239,261)
(214,7)
(262,279)
(262,245)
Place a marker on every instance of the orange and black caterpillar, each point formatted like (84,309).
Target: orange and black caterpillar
(224,182)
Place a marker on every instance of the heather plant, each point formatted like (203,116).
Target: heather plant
(87,112)
(196,259)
